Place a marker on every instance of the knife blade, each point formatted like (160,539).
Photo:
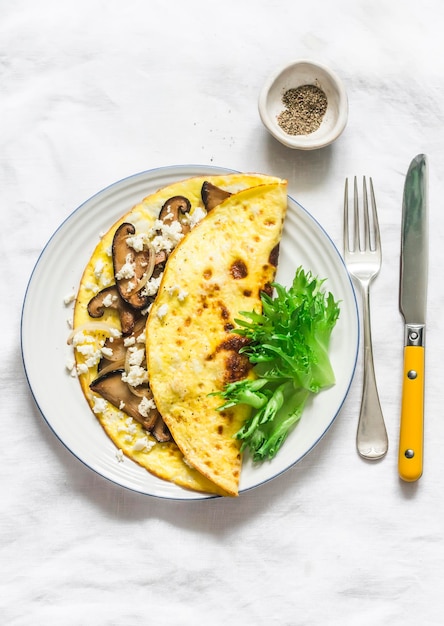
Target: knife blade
(413,306)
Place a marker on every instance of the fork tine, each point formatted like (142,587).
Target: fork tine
(345,223)
(367,241)
(377,236)
(357,245)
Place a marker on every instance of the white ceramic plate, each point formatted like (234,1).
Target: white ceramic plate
(44,331)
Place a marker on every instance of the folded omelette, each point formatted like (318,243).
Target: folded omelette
(154,316)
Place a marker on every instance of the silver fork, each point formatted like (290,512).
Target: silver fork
(362,253)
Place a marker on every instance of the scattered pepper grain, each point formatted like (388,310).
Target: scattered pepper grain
(305,107)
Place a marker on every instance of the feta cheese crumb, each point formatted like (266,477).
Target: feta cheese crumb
(99,405)
(129,427)
(145,406)
(135,356)
(163,310)
(128,269)
(92,287)
(98,268)
(136,242)
(143,444)
(85,349)
(109,300)
(152,286)
(136,376)
(196,217)
(175,289)
(142,337)
(71,366)
(182,295)
(70,297)
(120,456)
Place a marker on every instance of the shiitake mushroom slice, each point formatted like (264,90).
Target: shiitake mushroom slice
(140,262)
(212,195)
(110,298)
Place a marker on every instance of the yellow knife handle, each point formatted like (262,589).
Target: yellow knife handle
(411,436)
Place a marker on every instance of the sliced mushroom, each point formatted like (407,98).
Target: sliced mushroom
(161,431)
(111,387)
(212,195)
(176,209)
(109,298)
(131,268)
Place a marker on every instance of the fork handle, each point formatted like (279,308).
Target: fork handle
(371,437)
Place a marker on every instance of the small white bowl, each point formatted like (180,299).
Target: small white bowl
(298,73)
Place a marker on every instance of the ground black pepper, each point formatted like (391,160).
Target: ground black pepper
(305,107)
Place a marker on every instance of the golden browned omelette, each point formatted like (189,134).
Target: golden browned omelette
(153,320)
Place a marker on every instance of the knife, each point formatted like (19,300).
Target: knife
(413,304)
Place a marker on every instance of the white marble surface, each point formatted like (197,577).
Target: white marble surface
(93,91)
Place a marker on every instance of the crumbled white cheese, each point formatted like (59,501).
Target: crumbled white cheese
(137,242)
(128,426)
(92,287)
(152,286)
(175,289)
(182,295)
(99,405)
(85,349)
(109,300)
(142,337)
(94,359)
(135,356)
(98,268)
(197,215)
(80,338)
(82,368)
(136,376)
(69,298)
(143,443)
(145,406)
(107,352)
(129,341)
(162,311)
(128,269)
(122,405)
(71,366)
(120,456)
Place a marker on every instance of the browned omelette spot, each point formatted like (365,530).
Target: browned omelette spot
(274,256)
(238,269)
